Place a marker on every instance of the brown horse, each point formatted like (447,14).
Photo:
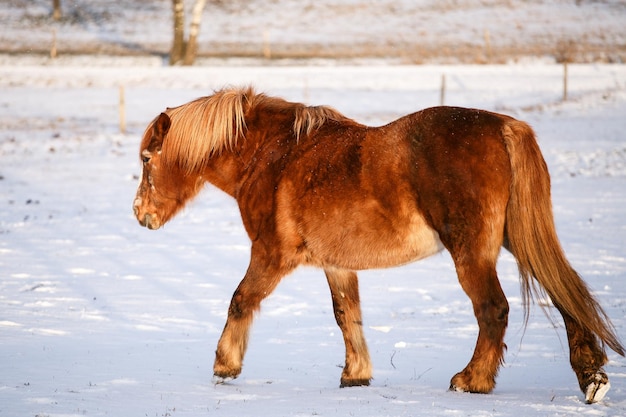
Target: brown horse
(317,188)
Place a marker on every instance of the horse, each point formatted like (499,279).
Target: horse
(317,188)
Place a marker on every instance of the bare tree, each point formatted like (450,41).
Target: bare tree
(185,50)
(194,29)
(56,9)
(178,45)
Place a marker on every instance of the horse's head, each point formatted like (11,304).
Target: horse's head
(165,187)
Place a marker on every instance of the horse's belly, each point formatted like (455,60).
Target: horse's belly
(418,241)
(368,244)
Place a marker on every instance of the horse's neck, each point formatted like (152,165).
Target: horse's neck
(224,172)
(228,169)
(269,135)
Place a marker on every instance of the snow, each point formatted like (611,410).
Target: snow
(102,317)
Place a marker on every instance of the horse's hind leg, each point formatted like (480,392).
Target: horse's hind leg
(261,279)
(344,289)
(586,358)
(480,282)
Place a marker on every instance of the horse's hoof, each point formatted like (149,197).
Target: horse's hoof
(221,380)
(224,372)
(454,388)
(354,383)
(597,388)
(462,383)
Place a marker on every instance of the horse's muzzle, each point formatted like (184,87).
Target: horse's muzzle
(151,222)
(146,220)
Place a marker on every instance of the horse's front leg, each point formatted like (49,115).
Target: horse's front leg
(262,277)
(344,289)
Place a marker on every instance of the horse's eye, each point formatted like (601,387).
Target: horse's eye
(145,159)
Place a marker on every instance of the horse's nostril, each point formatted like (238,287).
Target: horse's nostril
(136,205)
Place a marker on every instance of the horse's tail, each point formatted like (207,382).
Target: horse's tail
(531,237)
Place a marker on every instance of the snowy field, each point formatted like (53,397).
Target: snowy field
(101,317)
(407,31)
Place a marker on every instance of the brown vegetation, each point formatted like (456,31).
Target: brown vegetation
(446,32)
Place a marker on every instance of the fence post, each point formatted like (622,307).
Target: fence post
(122,110)
(53,47)
(267,49)
(565,80)
(488,45)
(442,92)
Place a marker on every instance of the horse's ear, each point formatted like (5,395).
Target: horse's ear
(159,129)
(162,125)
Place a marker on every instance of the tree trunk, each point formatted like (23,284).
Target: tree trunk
(56,9)
(194,29)
(178,46)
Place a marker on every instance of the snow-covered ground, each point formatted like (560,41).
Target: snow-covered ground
(99,316)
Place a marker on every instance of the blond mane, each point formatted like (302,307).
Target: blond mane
(212,124)
(308,119)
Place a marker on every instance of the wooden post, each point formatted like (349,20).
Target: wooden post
(488,45)
(122,110)
(53,47)
(267,50)
(565,80)
(442,92)
(305,91)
